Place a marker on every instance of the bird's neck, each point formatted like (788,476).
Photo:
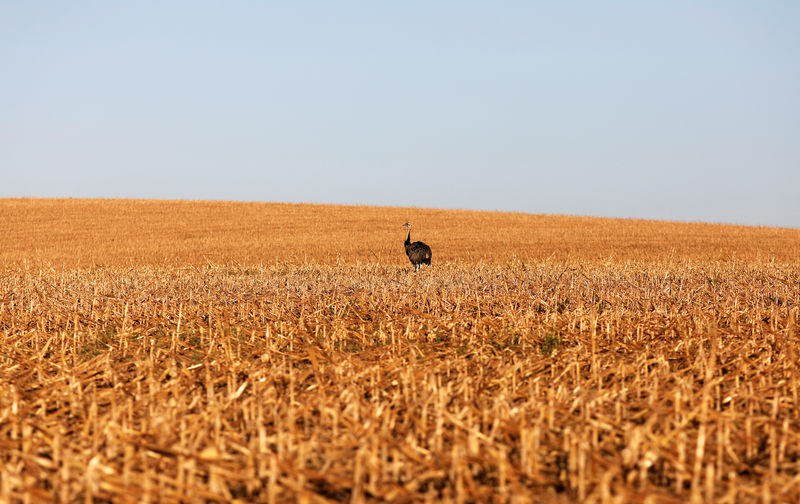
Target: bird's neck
(408,237)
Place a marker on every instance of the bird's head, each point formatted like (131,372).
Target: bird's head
(407,224)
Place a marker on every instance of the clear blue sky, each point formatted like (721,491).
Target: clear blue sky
(668,110)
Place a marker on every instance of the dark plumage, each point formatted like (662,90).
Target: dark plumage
(418,253)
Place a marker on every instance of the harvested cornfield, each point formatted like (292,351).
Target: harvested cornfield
(86,233)
(499,374)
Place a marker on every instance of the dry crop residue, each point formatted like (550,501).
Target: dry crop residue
(178,351)
(83,233)
(361,383)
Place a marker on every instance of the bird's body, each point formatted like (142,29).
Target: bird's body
(418,253)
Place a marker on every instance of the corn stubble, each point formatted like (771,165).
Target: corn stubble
(640,380)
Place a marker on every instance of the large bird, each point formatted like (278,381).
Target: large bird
(418,253)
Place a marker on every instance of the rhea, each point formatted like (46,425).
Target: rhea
(418,253)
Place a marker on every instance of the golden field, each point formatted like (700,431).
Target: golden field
(137,232)
(171,351)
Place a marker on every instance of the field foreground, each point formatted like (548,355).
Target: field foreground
(528,375)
